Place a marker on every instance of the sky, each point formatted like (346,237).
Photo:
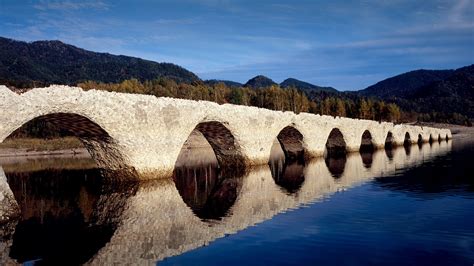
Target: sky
(345,44)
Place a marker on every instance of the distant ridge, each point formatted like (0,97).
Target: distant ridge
(305,86)
(56,62)
(400,85)
(429,91)
(259,82)
(228,83)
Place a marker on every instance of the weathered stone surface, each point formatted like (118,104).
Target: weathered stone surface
(8,205)
(146,133)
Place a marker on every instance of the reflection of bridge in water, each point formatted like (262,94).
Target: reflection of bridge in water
(161,218)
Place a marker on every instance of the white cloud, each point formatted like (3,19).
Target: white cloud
(377,43)
(70,5)
(457,14)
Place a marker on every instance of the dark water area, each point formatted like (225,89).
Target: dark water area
(403,206)
(418,216)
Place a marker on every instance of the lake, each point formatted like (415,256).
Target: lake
(403,206)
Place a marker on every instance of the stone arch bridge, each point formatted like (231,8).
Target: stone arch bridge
(146,133)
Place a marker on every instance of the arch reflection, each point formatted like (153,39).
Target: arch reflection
(389,153)
(69,209)
(367,158)
(336,164)
(208,189)
(407,149)
(433,178)
(287,173)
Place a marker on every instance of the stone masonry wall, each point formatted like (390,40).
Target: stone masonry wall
(146,133)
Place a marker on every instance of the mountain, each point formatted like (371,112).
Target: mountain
(259,82)
(56,62)
(429,91)
(400,85)
(459,84)
(304,86)
(453,94)
(228,83)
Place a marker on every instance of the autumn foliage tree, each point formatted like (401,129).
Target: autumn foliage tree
(273,97)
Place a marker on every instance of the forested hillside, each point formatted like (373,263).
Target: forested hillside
(259,82)
(431,95)
(305,86)
(228,83)
(404,84)
(40,63)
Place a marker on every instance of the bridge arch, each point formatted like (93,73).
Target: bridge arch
(223,142)
(431,139)
(292,142)
(420,139)
(407,139)
(100,144)
(336,144)
(389,140)
(367,142)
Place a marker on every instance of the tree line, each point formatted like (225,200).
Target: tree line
(273,97)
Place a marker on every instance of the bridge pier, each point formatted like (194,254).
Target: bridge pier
(8,206)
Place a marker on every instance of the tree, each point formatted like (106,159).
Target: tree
(340,108)
(236,96)
(393,112)
(219,93)
(364,109)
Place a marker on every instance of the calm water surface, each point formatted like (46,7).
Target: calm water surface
(406,206)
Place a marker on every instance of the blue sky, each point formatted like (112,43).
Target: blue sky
(345,44)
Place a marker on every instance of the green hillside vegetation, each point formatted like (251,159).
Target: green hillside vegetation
(401,85)
(431,95)
(41,63)
(305,86)
(259,82)
(228,83)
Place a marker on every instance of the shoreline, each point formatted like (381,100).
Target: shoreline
(11,152)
